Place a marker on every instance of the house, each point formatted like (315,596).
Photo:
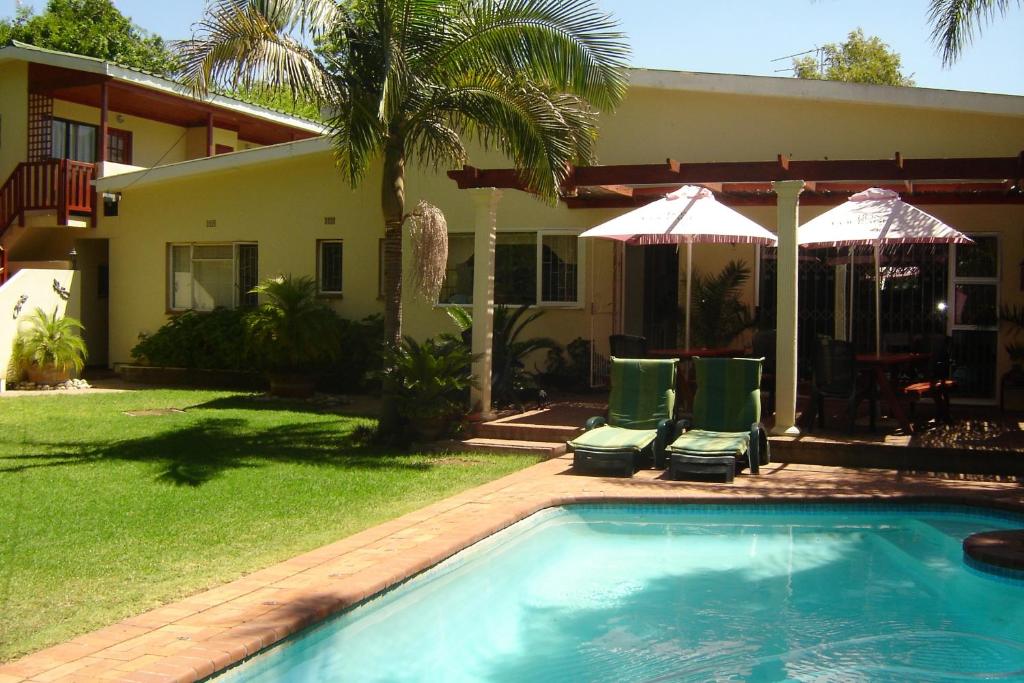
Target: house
(195,233)
(68,120)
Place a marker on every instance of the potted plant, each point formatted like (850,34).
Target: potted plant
(293,333)
(719,314)
(50,348)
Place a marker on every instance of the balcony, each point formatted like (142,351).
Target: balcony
(59,185)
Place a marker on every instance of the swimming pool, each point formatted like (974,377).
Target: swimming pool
(673,592)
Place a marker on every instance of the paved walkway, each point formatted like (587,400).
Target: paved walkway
(191,639)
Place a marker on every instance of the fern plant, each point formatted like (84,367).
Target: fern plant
(52,341)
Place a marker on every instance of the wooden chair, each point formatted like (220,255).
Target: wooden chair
(835,376)
(936,384)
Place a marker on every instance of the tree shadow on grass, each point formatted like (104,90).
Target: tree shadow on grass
(202,450)
(354,406)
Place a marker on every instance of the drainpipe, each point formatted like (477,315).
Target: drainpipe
(787,194)
(485,202)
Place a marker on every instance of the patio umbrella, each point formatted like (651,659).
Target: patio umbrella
(688,215)
(876,217)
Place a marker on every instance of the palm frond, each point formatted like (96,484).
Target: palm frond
(956,22)
(250,45)
(569,44)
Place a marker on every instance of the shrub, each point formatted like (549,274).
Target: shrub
(292,330)
(432,381)
(215,340)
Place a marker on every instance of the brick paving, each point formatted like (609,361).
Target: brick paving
(190,639)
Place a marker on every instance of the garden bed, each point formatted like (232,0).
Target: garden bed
(193,377)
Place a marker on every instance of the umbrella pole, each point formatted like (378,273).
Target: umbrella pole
(689,295)
(878,302)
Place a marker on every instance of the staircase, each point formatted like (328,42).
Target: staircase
(541,432)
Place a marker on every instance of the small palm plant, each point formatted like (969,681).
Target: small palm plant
(50,348)
(719,313)
(292,331)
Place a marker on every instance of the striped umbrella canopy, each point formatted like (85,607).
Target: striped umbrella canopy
(876,217)
(688,215)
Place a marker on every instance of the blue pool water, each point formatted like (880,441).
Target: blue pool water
(667,593)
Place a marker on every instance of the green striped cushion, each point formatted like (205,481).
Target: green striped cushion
(614,439)
(728,394)
(643,392)
(702,442)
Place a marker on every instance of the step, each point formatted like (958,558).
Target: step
(527,432)
(546,449)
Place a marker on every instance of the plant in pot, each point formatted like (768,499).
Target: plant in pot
(292,333)
(50,348)
(432,380)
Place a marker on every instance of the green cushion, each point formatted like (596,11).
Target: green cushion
(703,442)
(728,395)
(643,392)
(608,438)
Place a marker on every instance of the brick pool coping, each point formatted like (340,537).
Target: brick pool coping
(190,639)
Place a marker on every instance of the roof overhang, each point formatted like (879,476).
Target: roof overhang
(829,91)
(222,163)
(71,76)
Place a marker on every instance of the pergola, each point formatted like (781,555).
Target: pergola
(784,183)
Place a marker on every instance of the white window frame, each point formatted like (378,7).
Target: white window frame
(320,265)
(191,257)
(539,235)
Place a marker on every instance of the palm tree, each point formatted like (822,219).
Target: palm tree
(954,23)
(408,80)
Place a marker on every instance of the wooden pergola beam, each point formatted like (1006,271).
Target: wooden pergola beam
(861,171)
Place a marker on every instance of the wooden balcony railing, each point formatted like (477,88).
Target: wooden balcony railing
(56,184)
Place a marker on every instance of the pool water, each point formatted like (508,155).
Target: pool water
(667,593)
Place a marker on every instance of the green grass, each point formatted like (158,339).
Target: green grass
(104,515)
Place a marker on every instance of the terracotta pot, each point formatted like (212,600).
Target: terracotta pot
(292,384)
(47,374)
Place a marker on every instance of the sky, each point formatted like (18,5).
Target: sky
(744,36)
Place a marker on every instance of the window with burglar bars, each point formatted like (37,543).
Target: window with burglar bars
(329,266)
(203,277)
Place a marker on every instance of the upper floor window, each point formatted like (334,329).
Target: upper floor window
(77,141)
(74,140)
(208,276)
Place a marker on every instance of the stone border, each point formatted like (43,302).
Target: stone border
(193,638)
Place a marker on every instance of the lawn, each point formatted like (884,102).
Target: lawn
(104,515)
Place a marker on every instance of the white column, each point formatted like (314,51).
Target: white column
(787,194)
(485,225)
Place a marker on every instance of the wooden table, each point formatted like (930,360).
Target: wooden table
(684,382)
(880,368)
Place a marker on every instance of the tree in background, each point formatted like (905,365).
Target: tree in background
(94,28)
(956,22)
(410,80)
(859,60)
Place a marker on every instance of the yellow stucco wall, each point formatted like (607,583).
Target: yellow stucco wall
(33,288)
(13,116)
(282,205)
(152,141)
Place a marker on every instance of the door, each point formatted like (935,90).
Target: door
(661,296)
(974,317)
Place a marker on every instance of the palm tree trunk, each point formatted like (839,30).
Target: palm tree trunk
(392,202)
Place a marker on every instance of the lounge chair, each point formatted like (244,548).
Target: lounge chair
(726,434)
(639,421)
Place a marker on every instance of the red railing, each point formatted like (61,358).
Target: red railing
(59,184)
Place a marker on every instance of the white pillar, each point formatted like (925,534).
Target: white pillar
(787,194)
(485,226)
